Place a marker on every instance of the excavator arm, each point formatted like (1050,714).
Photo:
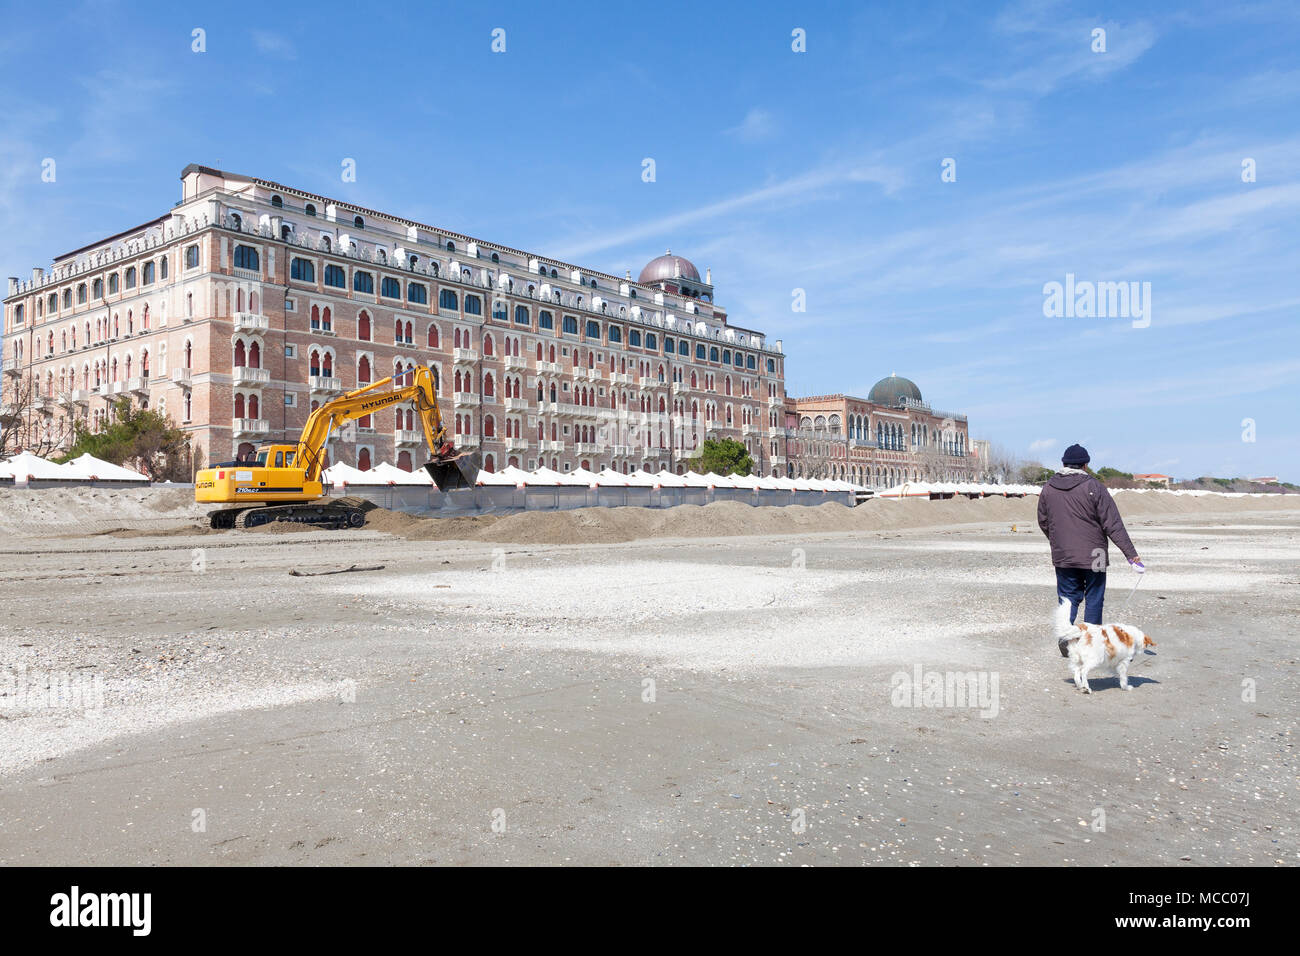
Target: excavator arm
(448,468)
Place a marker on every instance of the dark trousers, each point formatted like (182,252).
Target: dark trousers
(1082,585)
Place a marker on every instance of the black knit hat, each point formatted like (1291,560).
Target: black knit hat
(1075,457)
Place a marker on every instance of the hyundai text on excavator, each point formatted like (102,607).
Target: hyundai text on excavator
(284,482)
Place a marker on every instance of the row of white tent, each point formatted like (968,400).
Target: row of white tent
(342,475)
(923,489)
(25,468)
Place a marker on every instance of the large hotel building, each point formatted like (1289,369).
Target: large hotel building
(249,303)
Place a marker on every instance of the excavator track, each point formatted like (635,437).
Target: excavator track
(330,513)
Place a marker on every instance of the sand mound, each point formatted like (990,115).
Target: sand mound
(136,512)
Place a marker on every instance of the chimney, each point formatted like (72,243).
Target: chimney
(13,285)
(38,275)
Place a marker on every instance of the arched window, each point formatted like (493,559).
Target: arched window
(309,209)
(433,336)
(363,327)
(277,202)
(245,258)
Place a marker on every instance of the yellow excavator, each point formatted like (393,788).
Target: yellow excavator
(284,482)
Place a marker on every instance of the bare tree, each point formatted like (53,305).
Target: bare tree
(29,420)
(1001,466)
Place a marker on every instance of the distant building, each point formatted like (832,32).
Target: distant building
(1272,480)
(889,437)
(1154,479)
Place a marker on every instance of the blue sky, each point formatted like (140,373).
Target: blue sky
(778,170)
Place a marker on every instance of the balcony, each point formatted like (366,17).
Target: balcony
(679,387)
(466,441)
(247,375)
(516,444)
(80,397)
(551,446)
(116,388)
(12,368)
(251,322)
(324,384)
(408,436)
(775,401)
(464,356)
(620,451)
(620,378)
(466,398)
(139,384)
(181,376)
(245,427)
(516,363)
(749,429)
(516,404)
(586,448)
(548,368)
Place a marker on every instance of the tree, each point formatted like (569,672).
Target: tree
(1107,473)
(141,436)
(722,456)
(28,419)
(1034,473)
(1000,466)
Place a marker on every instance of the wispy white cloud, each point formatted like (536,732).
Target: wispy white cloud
(757,126)
(273,44)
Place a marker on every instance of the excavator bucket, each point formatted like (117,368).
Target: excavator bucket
(456,471)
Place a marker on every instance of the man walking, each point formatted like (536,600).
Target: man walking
(1077,513)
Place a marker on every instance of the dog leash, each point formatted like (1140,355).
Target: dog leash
(1133,591)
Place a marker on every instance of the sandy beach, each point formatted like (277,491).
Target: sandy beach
(718,685)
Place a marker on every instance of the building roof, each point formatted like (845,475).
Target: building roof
(893,390)
(668,267)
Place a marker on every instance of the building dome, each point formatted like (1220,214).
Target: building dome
(669,267)
(891,391)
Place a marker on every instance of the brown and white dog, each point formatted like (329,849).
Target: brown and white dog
(1111,646)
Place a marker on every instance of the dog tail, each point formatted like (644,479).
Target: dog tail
(1061,626)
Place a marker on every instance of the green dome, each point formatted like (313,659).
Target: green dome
(891,391)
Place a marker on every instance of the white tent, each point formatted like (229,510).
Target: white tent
(612,479)
(100,470)
(586,477)
(545,476)
(392,475)
(509,475)
(26,467)
(744,481)
(643,479)
(720,481)
(344,475)
(694,479)
(667,479)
